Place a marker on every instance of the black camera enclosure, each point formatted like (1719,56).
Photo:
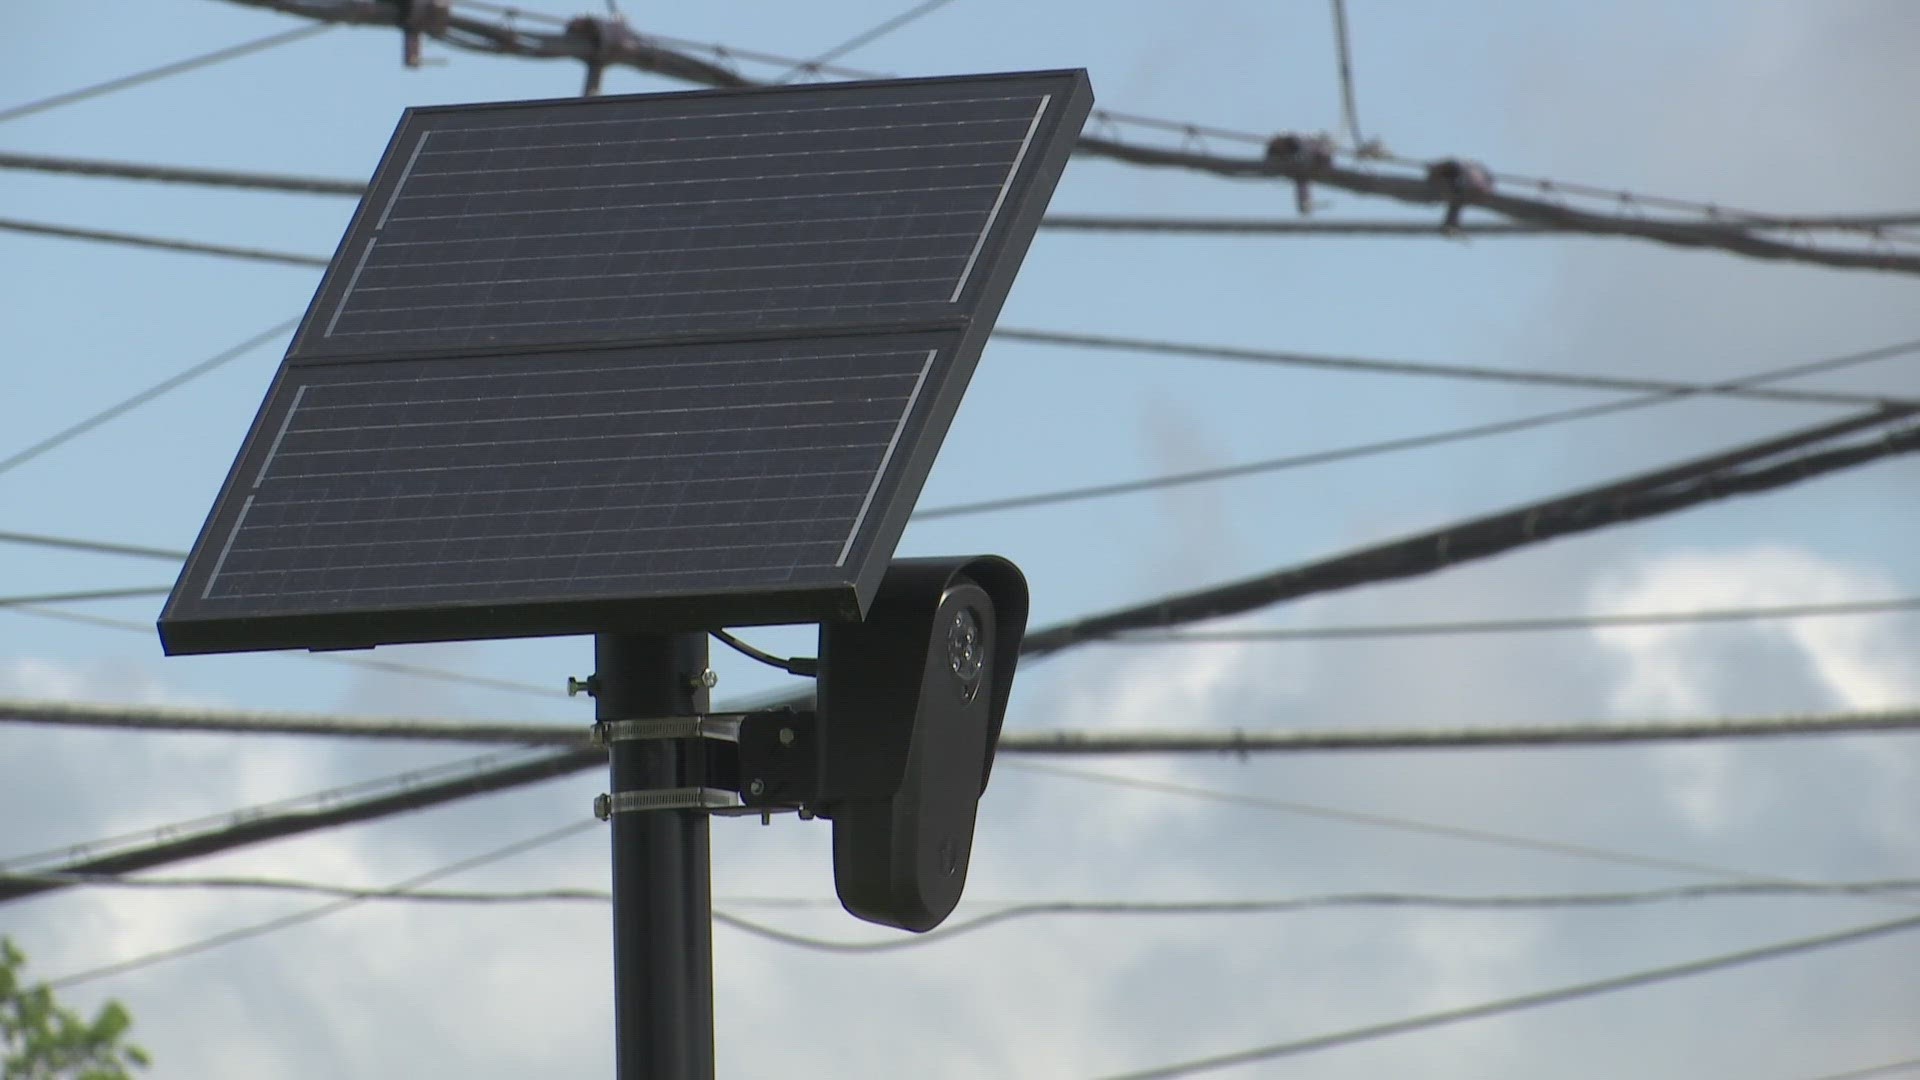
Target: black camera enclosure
(911,700)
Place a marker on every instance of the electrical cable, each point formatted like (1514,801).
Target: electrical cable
(98,547)
(1238,742)
(1343,54)
(1423,826)
(1009,913)
(307,915)
(88,594)
(1630,981)
(651,55)
(365,663)
(863,38)
(1889,1069)
(1522,625)
(278,825)
(160,243)
(1662,491)
(798,665)
(218,360)
(152,74)
(1757,386)
(313,185)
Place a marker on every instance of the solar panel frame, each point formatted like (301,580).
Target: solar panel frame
(957,331)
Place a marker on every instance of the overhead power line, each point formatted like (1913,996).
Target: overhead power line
(1424,825)
(277,825)
(227,937)
(864,38)
(1523,625)
(231,52)
(1074,743)
(1715,230)
(160,243)
(173,382)
(1891,1068)
(174,174)
(1062,496)
(1760,466)
(1558,995)
(98,547)
(1002,915)
(1126,223)
(85,594)
(1754,387)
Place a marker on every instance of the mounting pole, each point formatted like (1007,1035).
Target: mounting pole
(662,886)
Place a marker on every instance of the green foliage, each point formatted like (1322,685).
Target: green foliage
(40,1039)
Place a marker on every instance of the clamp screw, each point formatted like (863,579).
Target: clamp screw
(704,679)
(603,806)
(786,736)
(589,686)
(806,813)
(755,787)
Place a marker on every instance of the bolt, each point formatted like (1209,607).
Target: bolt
(766,817)
(755,787)
(806,813)
(589,686)
(603,806)
(786,736)
(705,679)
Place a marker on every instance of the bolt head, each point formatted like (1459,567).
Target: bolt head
(755,787)
(786,736)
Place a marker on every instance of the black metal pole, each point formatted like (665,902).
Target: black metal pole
(662,887)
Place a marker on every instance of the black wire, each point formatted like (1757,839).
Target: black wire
(799,665)
(865,37)
(1349,109)
(219,359)
(88,594)
(160,243)
(152,74)
(1629,981)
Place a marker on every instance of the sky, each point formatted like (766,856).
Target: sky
(1787,106)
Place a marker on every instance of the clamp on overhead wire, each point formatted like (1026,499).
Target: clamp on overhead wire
(418,17)
(606,40)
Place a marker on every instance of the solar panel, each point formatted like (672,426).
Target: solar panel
(663,361)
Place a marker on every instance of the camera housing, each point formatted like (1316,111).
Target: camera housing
(911,701)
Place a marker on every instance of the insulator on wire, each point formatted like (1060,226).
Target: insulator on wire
(1459,180)
(1311,153)
(418,18)
(606,39)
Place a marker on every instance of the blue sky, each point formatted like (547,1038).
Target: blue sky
(1783,105)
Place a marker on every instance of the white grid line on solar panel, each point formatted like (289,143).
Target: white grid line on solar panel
(547,374)
(625,553)
(558,278)
(365,254)
(463,495)
(576,462)
(387,242)
(699,202)
(497,302)
(650,252)
(881,148)
(571,439)
(269,500)
(705,182)
(704,527)
(524,418)
(400,184)
(520,397)
(815,110)
(298,393)
(618,321)
(499,585)
(886,458)
(1000,199)
(227,548)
